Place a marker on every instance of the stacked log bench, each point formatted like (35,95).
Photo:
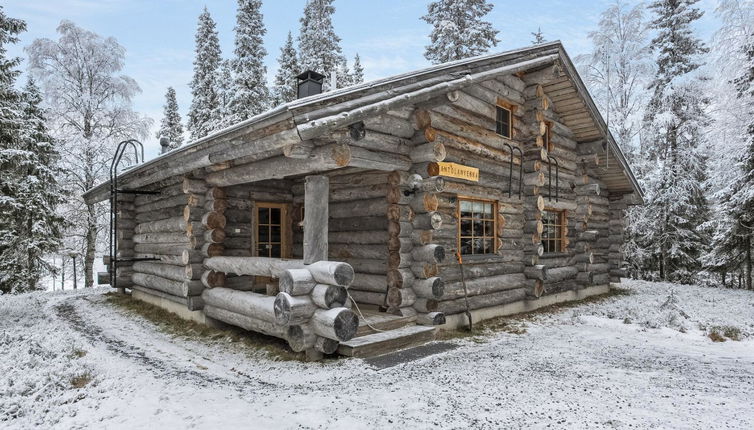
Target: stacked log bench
(309,312)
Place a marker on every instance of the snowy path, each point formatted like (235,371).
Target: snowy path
(585,367)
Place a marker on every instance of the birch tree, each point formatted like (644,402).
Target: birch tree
(88,100)
(617,70)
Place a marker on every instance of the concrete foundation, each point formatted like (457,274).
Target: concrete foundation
(478,315)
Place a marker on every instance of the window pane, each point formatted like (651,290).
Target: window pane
(275,251)
(465,208)
(488,246)
(488,210)
(488,229)
(264,234)
(275,233)
(262,250)
(275,215)
(264,215)
(465,246)
(465,227)
(477,207)
(478,246)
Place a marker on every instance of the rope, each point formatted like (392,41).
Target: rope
(362,315)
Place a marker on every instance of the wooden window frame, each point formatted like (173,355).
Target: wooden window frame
(495,237)
(561,225)
(285,226)
(509,109)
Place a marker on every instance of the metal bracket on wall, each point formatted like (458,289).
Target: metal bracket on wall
(550,160)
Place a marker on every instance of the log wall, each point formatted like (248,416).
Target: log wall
(170,228)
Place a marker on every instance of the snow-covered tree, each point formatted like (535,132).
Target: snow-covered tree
(30,228)
(225,92)
(170,126)
(617,70)
(205,111)
(343,76)
(285,87)
(727,61)
(667,226)
(88,105)
(734,221)
(357,74)
(250,94)
(318,45)
(30,200)
(458,30)
(539,38)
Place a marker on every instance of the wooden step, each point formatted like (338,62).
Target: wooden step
(387,341)
(382,321)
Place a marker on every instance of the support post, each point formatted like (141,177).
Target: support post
(316,214)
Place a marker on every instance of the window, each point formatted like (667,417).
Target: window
(270,230)
(546,141)
(503,122)
(552,235)
(477,226)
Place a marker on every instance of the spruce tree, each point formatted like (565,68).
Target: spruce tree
(170,126)
(539,38)
(675,173)
(285,87)
(732,242)
(225,90)
(204,113)
(357,74)
(30,227)
(458,30)
(250,93)
(11,123)
(319,46)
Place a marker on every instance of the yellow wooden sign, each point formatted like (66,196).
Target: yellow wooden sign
(453,170)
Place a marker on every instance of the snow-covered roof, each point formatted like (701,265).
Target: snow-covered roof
(313,116)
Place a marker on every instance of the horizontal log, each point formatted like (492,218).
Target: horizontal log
(293,310)
(175,225)
(258,306)
(175,273)
(486,285)
(245,321)
(482,301)
(324,272)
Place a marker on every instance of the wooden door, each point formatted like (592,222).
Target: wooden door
(271,233)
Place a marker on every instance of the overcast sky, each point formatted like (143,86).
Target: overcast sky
(388,34)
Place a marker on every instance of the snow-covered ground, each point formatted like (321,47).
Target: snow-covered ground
(73,360)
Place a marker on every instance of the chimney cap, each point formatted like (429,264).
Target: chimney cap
(311,74)
(165,143)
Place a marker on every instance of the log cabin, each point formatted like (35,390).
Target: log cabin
(363,219)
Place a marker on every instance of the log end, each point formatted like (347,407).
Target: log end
(345,325)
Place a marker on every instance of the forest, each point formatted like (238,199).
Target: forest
(680,107)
